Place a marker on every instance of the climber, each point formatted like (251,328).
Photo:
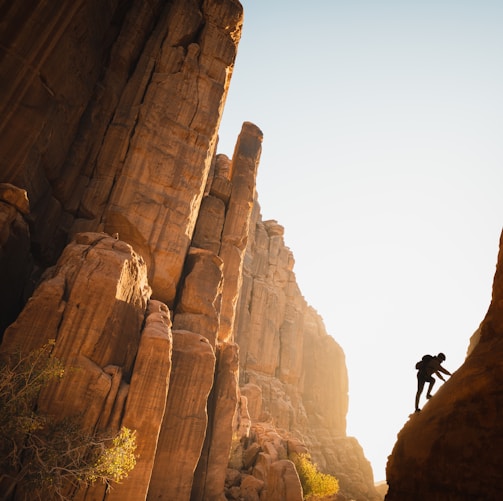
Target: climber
(425,369)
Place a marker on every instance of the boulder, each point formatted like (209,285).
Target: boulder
(283,482)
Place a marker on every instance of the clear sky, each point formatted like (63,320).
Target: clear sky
(382,158)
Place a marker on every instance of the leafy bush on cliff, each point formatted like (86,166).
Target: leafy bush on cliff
(316,485)
(42,454)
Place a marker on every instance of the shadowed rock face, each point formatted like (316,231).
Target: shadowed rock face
(15,257)
(453,448)
(145,258)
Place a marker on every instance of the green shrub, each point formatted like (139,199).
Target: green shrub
(117,460)
(47,455)
(314,483)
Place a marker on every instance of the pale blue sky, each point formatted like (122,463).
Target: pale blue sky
(382,158)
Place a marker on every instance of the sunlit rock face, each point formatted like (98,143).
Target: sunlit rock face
(145,259)
(110,113)
(292,373)
(115,344)
(453,448)
(184,426)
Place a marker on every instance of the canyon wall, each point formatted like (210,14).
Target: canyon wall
(140,255)
(292,373)
(453,449)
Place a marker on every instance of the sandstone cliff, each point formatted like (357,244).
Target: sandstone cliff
(292,373)
(453,449)
(142,253)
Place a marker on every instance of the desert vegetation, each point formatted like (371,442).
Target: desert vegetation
(49,456)
(315,484)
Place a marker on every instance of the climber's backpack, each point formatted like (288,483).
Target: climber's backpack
(422,364)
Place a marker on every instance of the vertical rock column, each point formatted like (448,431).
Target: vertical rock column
(222,228)
(91,305)
(198,309)
(155,201)
(185,420)
(146,400)
(244,166)
(209,478)
(211,217)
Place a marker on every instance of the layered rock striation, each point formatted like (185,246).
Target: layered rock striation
(140,254)
(115,343)
(110,116)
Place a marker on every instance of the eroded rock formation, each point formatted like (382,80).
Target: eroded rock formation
(95,305)
(453,449)
(293,374)
(110,117)
(144,257)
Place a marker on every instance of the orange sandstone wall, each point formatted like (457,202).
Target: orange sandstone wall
(126,240)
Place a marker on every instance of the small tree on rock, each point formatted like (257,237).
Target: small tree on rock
(47,456)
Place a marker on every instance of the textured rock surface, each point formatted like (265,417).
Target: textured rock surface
(168,160)
(146,400)
(93,304)
(292,373)
(212,467)
(122,141)
(453,448)
(69,307)
(184,425)
(198,309)
(235,231)
(110,113)
(283,482)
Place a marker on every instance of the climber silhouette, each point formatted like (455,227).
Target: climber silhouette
(425,369)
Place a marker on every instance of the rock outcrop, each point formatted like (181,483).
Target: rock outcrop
(141,255)
(110,117)
(453,449)
(116,345)
(292,373)
(185,420)
(145,405)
